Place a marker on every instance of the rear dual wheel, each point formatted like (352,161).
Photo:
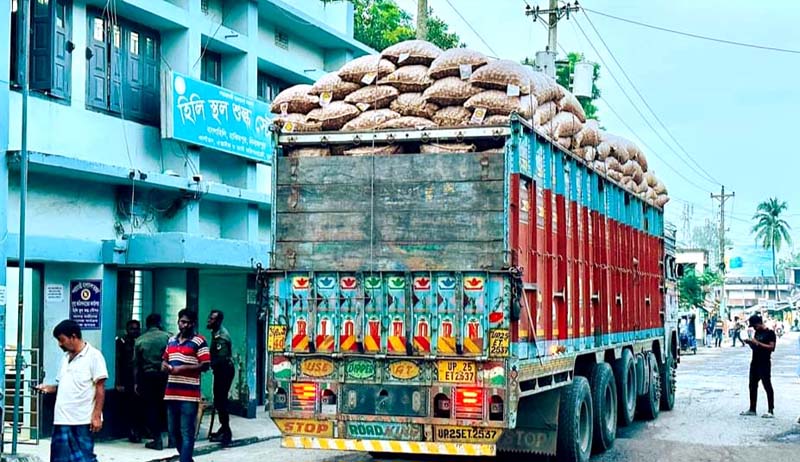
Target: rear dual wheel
(575,421)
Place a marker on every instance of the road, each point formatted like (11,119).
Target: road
(705,425)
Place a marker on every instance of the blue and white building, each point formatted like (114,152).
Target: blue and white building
(123,199)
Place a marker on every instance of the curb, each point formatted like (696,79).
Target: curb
(214,447)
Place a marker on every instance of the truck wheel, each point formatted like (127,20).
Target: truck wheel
(604,401)
(625,375)
(575,422)
(668,372)
(648,405)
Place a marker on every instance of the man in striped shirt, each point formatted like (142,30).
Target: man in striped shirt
(186,357)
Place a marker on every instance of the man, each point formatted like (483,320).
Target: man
(719,327)
(80,392)
(185,358)
(150,381)
(737,331)
(124,360)
(222,366)
(762,344)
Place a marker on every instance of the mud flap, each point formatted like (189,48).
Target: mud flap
(537,425)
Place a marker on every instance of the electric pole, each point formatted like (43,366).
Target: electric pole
(722,197)
(545,61)
(422,19)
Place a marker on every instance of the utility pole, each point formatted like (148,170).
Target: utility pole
(546,60)
(422,19)
(722,197)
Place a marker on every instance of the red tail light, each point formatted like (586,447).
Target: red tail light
(469,403)
(304,397)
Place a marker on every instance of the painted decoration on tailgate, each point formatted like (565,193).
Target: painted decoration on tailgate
(384,431)
(281,368)
(276,338)
(456,371)
(396,311)
(373,309)
(317,367)
(305,427)
(423,311)
(360,369)
(404,370)
(327,303)
(349,308)
(446,307)
(459,434)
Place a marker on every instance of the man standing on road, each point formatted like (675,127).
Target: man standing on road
(185,358)
(80,393)
(737,331)
(150,380)
(719,327)
(763,344)
(129,403)
(222,366)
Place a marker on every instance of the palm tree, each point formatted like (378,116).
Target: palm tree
(772,231)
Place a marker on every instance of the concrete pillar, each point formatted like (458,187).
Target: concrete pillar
(108,322)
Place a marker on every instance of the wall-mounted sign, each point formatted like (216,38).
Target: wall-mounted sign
(54,293)
(85,302)
(206,115)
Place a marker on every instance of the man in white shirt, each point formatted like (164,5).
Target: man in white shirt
(80,392)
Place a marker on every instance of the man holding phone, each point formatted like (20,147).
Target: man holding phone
(80,392)
(762,344)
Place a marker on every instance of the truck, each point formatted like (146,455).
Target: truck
(503,298)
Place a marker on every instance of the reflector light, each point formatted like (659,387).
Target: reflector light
(304,396)
(469,403)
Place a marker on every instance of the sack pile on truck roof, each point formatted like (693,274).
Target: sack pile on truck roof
(416,85)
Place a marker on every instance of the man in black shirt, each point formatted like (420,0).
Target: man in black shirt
(762,344)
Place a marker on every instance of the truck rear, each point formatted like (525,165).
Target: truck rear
(461,303)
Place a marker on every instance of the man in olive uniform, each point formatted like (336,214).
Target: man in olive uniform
(124,386)
(222,366)
(150,380)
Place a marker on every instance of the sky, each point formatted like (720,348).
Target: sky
(731,108)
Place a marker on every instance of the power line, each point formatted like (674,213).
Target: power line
(647,105)
(639,111)
(693,35)
(471,28)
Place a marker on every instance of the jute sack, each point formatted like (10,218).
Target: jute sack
(500,74)
(334,115)
(564,142)
(499,103)
(544,113)
(543,87)
(372,97)
(412,52)
(652,181)
(570,103)
(452,116)
(296,123)
(408,79)
(370,120)
(294,100)
(434,148)
(497,120)
(603,150)
(413,104)
(308,152)
(661,200)
(599,166)
(565,124)
(660,188)
(374,150)
(456,62)
(333,84)
(632,169)
(366,69)
(408,123)
(450,91)
(589,134)
(587,153)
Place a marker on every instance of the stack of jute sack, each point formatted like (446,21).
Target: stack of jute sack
(417,85)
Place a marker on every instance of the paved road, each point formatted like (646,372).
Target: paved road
(704,427)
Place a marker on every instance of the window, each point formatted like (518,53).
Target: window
(49,54)
(269,87)
(211,68)
(281,39)
(123,69)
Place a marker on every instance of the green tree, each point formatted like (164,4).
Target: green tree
(382,23)
(564,72)
(693,289)
(772,230)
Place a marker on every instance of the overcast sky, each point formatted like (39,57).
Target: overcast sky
(731,108)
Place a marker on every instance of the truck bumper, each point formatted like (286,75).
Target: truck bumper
(400,447)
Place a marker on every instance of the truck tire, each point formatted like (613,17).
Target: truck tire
(574,443)
(649,404)
(668,387)
(604,406)
(625,376)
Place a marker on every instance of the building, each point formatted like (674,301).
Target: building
(743,293)
(696,259)
(122,215)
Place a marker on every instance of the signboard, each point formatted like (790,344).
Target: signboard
(206,115)
(276,339)
(85,301)
(305,427)
(54,293)
(498,343)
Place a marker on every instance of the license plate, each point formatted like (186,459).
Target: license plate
(457,371)
(466,434)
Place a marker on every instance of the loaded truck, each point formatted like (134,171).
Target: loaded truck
(503,298)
